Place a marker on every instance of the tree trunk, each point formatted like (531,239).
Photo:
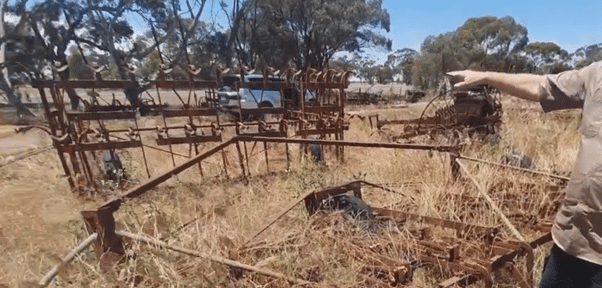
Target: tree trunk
(5,85)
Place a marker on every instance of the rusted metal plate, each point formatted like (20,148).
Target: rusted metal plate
(314,200)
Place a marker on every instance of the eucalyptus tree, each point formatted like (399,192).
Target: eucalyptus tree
(306,33)
(20,52)
(484,43)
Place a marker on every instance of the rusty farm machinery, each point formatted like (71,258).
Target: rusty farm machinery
(468,252)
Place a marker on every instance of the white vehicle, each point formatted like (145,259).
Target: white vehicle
(249,97)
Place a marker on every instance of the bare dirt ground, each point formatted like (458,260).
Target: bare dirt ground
(40,221)
(38,213)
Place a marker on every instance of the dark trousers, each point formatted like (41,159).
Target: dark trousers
(562,270)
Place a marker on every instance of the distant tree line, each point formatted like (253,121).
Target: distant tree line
(42,35)
(485,43)
(36,37)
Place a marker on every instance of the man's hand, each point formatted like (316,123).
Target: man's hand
(464,80)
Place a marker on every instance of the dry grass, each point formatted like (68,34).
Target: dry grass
(39,217)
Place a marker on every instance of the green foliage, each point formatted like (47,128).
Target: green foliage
(485,43)
(544,48)
(308,32)
(77,67)
(593,53)
(402,62)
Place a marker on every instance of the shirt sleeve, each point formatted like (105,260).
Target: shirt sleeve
(567,90)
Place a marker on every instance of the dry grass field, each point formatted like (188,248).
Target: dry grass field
(40,221)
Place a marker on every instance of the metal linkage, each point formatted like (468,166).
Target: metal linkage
(477,111)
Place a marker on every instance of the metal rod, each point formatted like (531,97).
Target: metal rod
(218,259)
(87,168)
(247,159)
(45,281)
(288,158)
(165,151)
(348,143)
(275,218)
(147,129)
(494,206)
(388,190)
(513,167)
(265,150)
(173,159)
(143,152)
(59,148)
(151,183)
(225,164)
(154,148)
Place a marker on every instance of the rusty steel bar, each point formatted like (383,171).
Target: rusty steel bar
(47,279)
(151,183)
(143,152)
(514,168)
(498,261)
(146,129)
(122,84)
(240,159)
(388,190)
(154,148)
(95,146)
(247,159)
(441,148)
(188,139)
(59,148)
(458,226)
(165,151)
(288,207)
(494,206)
(173,159)
(217,259)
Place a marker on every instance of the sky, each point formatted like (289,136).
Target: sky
(570,24)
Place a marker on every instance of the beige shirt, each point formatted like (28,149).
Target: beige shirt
(578,225)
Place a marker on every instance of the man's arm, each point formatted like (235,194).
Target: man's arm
(525,86)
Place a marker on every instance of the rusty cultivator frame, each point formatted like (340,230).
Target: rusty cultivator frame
(470,252)
(81,136)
